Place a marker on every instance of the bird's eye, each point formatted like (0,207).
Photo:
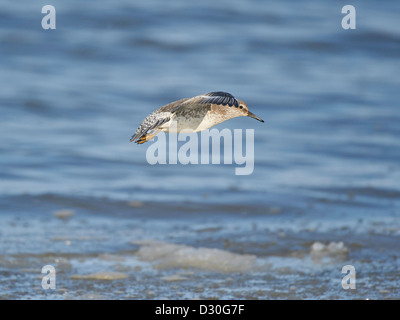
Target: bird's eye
(241,107)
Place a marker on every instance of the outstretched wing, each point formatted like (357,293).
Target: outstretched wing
(217,97)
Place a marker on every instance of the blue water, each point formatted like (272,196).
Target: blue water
(327,158)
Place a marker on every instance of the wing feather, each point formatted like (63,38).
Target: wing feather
(148,125)
(155,119)
(220,98)
(217,97)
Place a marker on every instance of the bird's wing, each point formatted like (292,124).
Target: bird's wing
(218,98)
(155,120)
(148,125)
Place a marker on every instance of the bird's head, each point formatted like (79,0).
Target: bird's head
(244,111)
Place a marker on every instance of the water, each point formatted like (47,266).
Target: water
(76,195)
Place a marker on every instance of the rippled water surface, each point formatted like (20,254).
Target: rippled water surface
(325,191)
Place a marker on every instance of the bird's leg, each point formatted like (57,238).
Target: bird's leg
(147,137)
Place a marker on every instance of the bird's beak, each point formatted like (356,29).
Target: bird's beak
(252,115)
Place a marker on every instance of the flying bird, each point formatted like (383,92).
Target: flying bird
(193,114)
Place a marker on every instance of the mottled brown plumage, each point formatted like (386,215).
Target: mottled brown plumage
(194,114)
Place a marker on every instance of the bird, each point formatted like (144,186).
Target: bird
(192,114)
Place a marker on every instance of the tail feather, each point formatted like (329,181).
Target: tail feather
(137,135)
(142,139)
(146,137)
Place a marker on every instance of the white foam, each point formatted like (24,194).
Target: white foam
(168,255)
(332,249)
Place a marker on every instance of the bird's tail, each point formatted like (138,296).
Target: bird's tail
(134,137)
(142,139)
(145,137)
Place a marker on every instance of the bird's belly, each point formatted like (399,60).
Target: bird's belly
(191,124)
